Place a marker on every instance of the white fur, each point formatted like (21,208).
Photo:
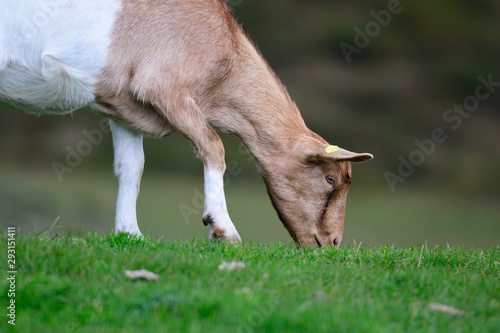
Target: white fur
(129,164)
(215,203)
(52,50)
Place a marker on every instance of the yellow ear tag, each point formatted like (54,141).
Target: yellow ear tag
(331,149)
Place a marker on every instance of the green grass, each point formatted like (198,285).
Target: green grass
(85,201)
(71,284)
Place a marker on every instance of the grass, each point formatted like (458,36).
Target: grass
(85,201)
(77,284)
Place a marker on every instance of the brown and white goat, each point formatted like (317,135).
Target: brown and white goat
(158,66)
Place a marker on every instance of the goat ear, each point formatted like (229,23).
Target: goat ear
(335,154)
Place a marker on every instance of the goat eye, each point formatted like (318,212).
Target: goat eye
(330,179)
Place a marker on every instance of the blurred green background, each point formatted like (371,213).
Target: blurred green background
(393,91)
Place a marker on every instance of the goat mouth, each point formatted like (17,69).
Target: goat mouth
(317,241)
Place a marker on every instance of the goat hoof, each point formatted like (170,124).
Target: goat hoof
(219,235)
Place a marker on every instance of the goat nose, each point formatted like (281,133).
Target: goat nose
(337,240)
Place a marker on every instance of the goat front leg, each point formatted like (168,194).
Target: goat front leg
(215,213)
(187,118)
(128,165)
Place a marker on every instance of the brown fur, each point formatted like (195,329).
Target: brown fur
(219,234)
(188,66)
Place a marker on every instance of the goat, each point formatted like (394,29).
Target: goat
(158,66)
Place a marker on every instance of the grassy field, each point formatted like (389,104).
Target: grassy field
(85,200)
(77,284)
